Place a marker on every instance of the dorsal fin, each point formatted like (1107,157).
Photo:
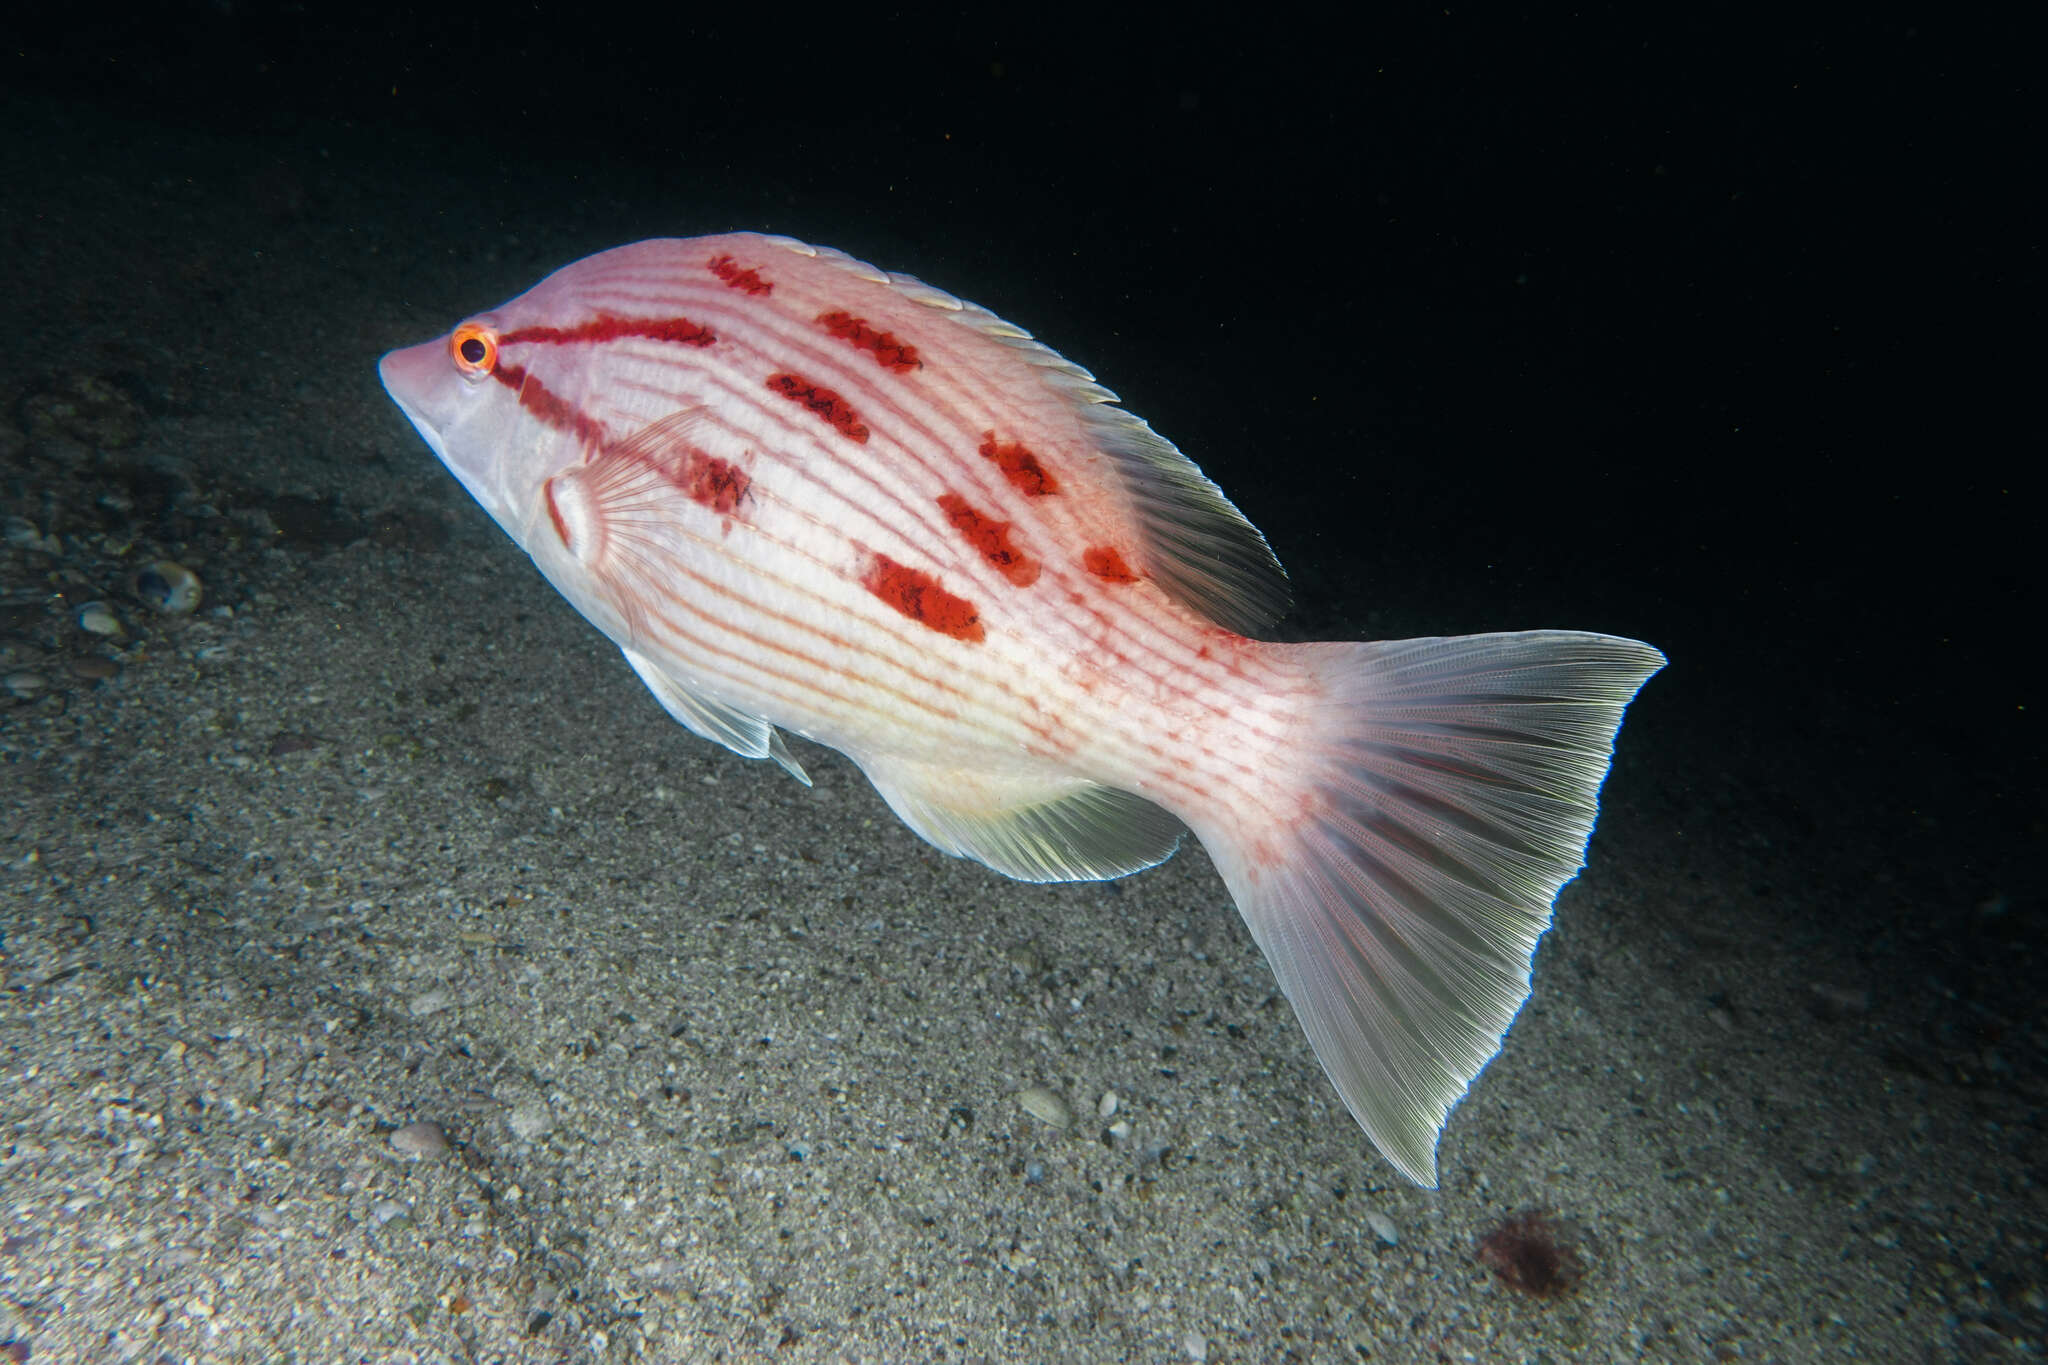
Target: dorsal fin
(1197,546)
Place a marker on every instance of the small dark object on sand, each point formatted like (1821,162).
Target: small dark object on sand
(1527,1253)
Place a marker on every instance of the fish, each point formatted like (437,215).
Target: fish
(806,496)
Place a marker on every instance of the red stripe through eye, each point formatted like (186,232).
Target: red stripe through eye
(605,327)
(556,411)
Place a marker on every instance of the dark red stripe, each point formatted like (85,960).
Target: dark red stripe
(605,327)
(1019,466)
(555,411)
(1106,564)
(717,484)
(991,538)
(823,402)
(746,281)
(889,352)
(918,595)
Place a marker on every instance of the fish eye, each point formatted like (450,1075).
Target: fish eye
(474,348)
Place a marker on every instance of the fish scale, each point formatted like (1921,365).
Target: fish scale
(804,494)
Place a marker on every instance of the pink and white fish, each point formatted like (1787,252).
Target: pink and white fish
(804,494)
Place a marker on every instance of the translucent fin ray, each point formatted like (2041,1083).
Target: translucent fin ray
(1451,793)
(1033,828)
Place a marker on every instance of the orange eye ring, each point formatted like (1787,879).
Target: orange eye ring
(474,349)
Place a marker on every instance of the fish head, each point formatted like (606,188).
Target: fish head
(463,396)
(513,397)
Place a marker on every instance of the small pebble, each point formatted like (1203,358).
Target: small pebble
(384,1210)
(1835,999)
(94,667)
(1043,1105)
(23,684)
(663,1269)
(1106,1106)
(429,1002)
(1383,1227)
(95,617)
(530,1121)
(170,587)
(1196,1345)
(424,1138)
(1120,1132)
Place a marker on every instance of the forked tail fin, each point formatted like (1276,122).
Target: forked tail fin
(1449,793)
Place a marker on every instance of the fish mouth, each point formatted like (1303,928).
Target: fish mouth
(408,380)
(427,389)
(412,376)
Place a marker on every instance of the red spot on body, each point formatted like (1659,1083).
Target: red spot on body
(890,353)
(918,595)
(606,327)
(823,402)
(1019,466)
(746,281)
(1106,564)
(717,484)
(991,538)
(556,411)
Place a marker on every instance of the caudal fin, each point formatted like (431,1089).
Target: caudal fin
(1449,793)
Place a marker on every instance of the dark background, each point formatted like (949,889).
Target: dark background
(1714,331)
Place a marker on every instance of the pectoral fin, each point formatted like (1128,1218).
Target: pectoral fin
(747,736)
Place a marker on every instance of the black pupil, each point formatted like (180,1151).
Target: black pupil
(472,351)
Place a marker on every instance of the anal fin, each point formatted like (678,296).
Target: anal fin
(1028,826)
